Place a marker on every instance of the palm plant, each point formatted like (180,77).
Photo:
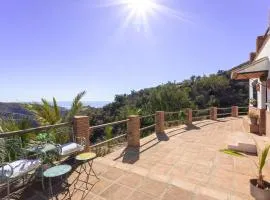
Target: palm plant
(261,164)
(50,114)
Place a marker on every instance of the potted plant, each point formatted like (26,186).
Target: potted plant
(253,118)
(253,102)
(259,188)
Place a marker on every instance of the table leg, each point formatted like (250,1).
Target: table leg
(90,163)
(67,185)
(78,177)
(50,188)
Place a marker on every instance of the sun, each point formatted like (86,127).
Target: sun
(140,7)
(138,13)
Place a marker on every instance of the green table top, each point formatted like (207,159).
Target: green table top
(58,170)
(86,156)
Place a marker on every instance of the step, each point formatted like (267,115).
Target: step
(242,147)
(242,142)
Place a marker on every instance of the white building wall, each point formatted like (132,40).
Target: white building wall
(261,95)
(265,51)
(261,99)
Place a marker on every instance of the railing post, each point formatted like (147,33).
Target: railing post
(213,113)
(133,131)
(159,120)
(81,129)
(234,111)
(189,115)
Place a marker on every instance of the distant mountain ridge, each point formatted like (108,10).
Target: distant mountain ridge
(16,108)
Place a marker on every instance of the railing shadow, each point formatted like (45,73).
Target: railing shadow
(162,136)
(191,127)
(131,155)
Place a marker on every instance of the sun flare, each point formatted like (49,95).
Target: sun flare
(138,13)
(140,7)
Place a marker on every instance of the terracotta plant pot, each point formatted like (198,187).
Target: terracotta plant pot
(253,120)
(258,193)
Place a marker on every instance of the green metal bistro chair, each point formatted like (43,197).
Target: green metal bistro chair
(17,166)
(19,169)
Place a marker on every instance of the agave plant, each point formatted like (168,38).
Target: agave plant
(50,114)
(261,164)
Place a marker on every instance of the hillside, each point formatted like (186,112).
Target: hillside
(196,92)
(13,108)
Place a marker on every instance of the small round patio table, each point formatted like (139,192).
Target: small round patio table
(58,171)
(85,159)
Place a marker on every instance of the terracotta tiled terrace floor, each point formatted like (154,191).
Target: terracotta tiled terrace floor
(184,163)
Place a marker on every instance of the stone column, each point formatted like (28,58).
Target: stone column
(81,129)
(213,113)
(234,111)
(133,131)
(159,120)
(189,115)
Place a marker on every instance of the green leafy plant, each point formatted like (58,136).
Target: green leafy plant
(43,137)
(261,164)
(50,114)
(253,101)
(182,116)
(108,132)
(12,148)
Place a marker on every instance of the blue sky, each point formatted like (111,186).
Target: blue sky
(60,47)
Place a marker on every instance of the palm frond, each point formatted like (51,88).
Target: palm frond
(76,106)
(262,157)
(44,112)
(56,110)
(231,152)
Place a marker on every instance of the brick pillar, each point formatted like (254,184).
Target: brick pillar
(159,120)
(213,113)
(81,129)
(133,131)
(189,116)
(234,111)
